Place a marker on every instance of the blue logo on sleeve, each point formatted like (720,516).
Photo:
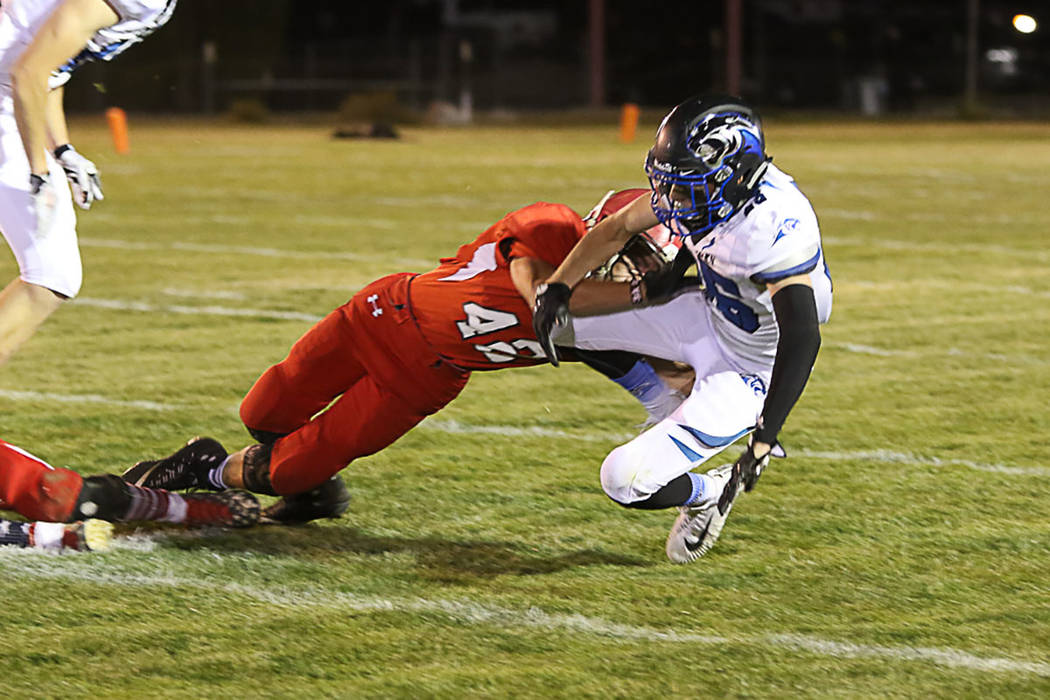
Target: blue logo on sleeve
(787,226)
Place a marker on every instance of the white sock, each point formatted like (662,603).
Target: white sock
(48,535)
(704,489)
(176,509)
(215,477)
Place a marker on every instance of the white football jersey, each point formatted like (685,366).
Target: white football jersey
(775,236)
(20,20)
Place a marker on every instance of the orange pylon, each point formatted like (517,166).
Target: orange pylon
(118,128)
(628,122)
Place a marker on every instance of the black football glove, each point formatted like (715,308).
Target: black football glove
(746,471)
(551,309)
(662,283)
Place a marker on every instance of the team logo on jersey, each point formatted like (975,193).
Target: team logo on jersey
(786,226)
(377,310)
(755,382)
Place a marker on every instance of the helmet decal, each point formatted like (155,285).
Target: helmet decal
(720,135)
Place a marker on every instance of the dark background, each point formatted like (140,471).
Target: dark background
(869,56)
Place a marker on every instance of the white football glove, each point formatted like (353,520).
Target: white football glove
(82,175)
(45,202)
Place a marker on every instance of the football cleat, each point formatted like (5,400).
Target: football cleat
(93,535)
(233,508)
(329,500)
(187,468)
(697,528)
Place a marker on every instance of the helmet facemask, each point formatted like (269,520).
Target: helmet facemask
(692,201)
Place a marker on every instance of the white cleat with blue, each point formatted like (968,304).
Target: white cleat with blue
(697,527)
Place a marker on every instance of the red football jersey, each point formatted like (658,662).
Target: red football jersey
(468,308)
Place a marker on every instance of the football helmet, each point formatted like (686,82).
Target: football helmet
(707,161)
(645,252)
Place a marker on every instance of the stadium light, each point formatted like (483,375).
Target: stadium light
(1025,24)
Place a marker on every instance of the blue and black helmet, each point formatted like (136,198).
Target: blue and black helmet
(708,160)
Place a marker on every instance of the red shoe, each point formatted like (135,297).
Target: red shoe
(224,509)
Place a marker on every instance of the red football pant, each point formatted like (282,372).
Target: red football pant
(384,375)
(35,489)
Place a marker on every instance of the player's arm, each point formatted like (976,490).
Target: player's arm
(57,132)
(796,313)
(590,298)
(60,38)
(551,304)
(645,380)
(603,241)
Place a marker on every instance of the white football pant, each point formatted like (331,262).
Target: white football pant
(51,261)
(723,406)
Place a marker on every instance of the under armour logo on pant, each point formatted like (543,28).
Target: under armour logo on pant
(376,311)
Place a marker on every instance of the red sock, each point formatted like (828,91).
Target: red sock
(150,504)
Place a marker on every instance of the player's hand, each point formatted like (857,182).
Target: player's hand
(662,284)
(45,201)
(746,470)
(551,309)
(82,175)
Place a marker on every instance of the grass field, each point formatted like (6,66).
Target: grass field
(902,550)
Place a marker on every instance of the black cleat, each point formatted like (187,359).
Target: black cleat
(186,469)
(329,500)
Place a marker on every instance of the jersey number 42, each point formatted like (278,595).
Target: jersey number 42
(481,320)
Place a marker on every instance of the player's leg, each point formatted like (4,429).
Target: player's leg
(49,264)
(365,419)
(319,367)
(33,488)
(88,535)
(639,349)
(36,490)
(303,466)
(23,308)
(656,469)
(666,331)
(639,376)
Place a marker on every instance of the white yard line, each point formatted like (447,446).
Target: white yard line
(455,427)
(880,456)
(100,571)
(204,294)
(890,457)
(211,310)
(956,287)
(50,397)
(940,352)
(981,249)
(283,253)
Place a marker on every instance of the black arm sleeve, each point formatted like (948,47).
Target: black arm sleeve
(796,311)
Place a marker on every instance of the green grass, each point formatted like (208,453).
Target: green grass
(901,551)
